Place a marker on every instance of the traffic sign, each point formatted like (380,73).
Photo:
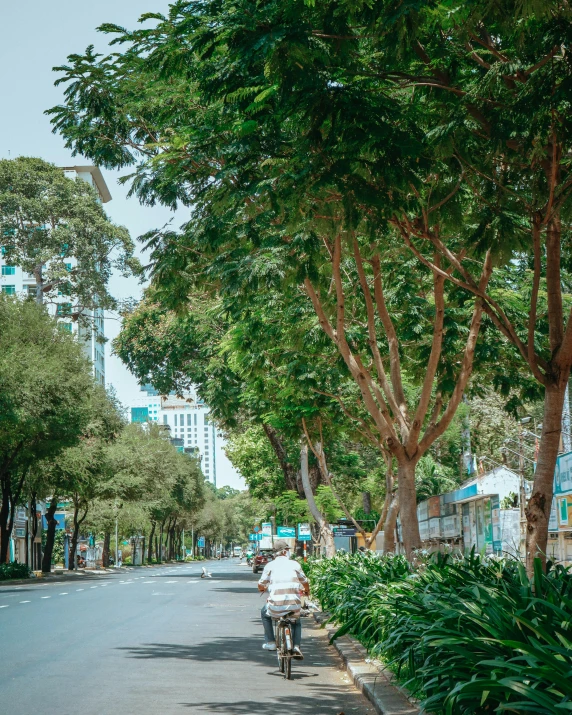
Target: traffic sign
(201,542)
(267,528)
(304,532)
(256,529)
(344,531)
(286,532)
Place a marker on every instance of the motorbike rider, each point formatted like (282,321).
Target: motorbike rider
(285,582)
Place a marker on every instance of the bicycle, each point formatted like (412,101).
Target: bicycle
(285,644)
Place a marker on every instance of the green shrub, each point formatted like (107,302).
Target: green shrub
(13,570)
(468,635)
(347,587)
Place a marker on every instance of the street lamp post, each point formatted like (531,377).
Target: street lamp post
(116,540)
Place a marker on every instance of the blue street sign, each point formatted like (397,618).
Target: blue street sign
(286,532)
(304,532)
(201,542)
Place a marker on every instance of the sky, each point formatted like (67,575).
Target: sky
(36,36)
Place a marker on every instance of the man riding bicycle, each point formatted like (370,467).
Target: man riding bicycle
(285,582)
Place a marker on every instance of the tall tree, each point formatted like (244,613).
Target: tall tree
(56,229)
(44,400)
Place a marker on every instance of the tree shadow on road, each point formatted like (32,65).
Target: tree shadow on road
(216,650)
(321,700)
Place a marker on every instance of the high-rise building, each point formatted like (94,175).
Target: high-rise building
(188,422)
(90,331)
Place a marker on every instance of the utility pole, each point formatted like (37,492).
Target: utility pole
(116,539)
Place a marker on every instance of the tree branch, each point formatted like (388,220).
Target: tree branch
(434,357)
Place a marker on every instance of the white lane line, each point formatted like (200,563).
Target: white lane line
(65,593)
(93,586)
(24,601)
(79,589)
(148,582)
(45,596)
(170,582)
(3,606)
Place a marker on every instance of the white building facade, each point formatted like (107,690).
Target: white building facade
(91,332)
(188,421)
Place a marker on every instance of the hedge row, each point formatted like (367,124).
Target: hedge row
(467,635)
(13,570)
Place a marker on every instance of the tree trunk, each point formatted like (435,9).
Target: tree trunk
(10,499)
(389,526)
(150,545)
(4,517)
(39,276)
(75,533)
(366,501)
(408,507)
(389,497)
(325,531)
(538,508)
(73,545)
(157,554)
(106,549)
(288,470)
(50,535)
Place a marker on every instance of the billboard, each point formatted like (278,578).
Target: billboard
(563,474)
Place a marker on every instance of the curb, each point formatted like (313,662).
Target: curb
(375,683)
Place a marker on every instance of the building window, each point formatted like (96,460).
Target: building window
(68,266)
(165,421)
(31,290)
(64,288)
(64,309)
(9,290)
(66,326)
(189,417)
(8,270)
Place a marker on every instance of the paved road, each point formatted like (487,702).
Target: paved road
(158,641)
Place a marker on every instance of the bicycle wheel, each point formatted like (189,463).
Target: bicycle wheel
(288,668)
(280,648)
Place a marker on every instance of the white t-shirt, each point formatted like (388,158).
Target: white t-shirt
(283,579)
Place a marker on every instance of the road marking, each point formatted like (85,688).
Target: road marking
(3,606)
(45,596)
(93,586)
(170,582)
(24,601)
(78,589)
(148,581)
(65,593)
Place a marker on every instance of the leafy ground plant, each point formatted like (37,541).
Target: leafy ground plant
(468,635)
(13,570)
